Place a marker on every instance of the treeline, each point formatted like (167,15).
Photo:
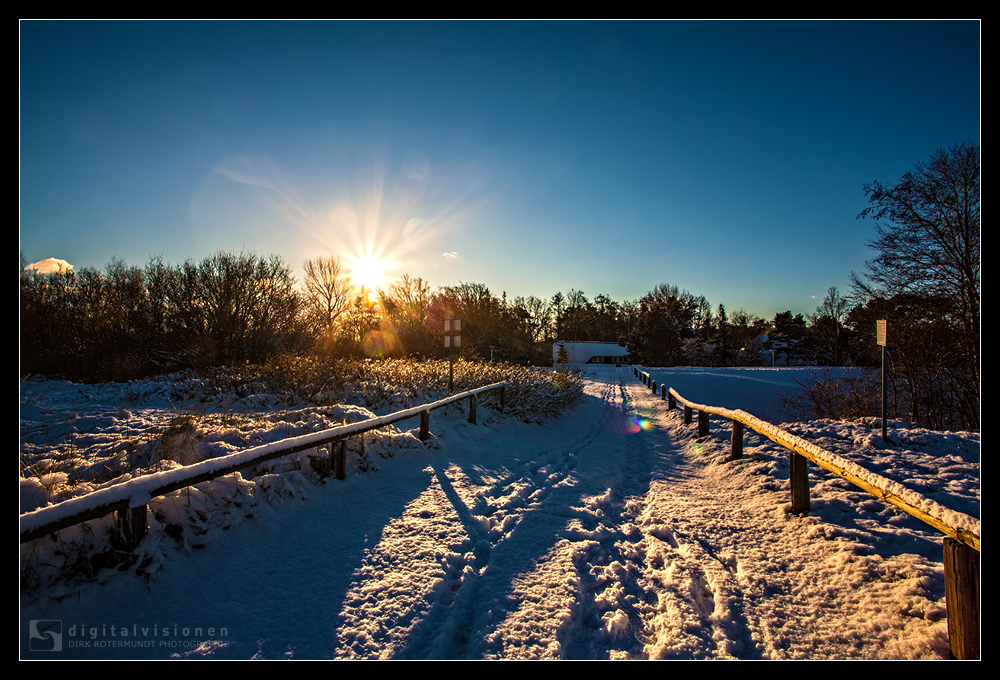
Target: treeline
(125,321)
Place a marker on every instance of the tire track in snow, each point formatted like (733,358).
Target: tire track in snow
(448,611)
(526,605)
(698,610)
(606,619)
(561,551)
(659,593)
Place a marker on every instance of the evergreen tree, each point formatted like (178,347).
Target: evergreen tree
(722,336)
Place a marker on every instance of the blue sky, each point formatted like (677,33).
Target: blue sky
(727,158)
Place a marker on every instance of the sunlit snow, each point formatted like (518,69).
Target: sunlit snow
(586,537)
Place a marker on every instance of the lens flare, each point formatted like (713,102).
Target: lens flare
(379,343)
(642,424)
(636,424)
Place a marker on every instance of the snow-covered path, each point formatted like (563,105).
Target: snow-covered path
(599,535)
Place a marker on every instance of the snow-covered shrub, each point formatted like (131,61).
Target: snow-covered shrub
(77,552)
(188,515)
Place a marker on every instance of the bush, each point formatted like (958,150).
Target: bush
(837,394)
(389,384)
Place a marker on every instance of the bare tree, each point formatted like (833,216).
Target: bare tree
(826,328)
(329,293)
(745,331)
(928,267)
(928,242)
(248,303)
(405,305)
(577,315)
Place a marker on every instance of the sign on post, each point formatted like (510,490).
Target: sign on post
(453,333)
(452,339)
(881,333)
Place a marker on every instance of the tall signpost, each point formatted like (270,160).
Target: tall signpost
(452,342)
(880,338)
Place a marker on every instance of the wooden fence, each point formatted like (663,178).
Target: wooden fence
(961,546)
(129,500)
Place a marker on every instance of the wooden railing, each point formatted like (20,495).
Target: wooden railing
(129,500)
(962,544)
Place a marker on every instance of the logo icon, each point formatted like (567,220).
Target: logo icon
(45,635)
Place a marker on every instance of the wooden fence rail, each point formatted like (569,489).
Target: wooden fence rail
(962,545)
(129,500)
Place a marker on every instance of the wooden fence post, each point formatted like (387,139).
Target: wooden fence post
(425,425)
(702,423)
(131,525)
(663,392)
(961,593)
(652,384)
(340,460)
(798,480)
(671,402)
(472,408)
(687,414)
(736,449)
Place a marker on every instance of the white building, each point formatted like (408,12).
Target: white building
(589,353)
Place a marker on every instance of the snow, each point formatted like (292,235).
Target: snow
(612,532)
(138,491)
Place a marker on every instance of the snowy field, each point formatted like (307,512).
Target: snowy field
(612,532)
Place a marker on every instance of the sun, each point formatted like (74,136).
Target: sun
(370,273)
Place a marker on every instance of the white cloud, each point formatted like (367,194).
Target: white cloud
(50,265)
(450,255)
